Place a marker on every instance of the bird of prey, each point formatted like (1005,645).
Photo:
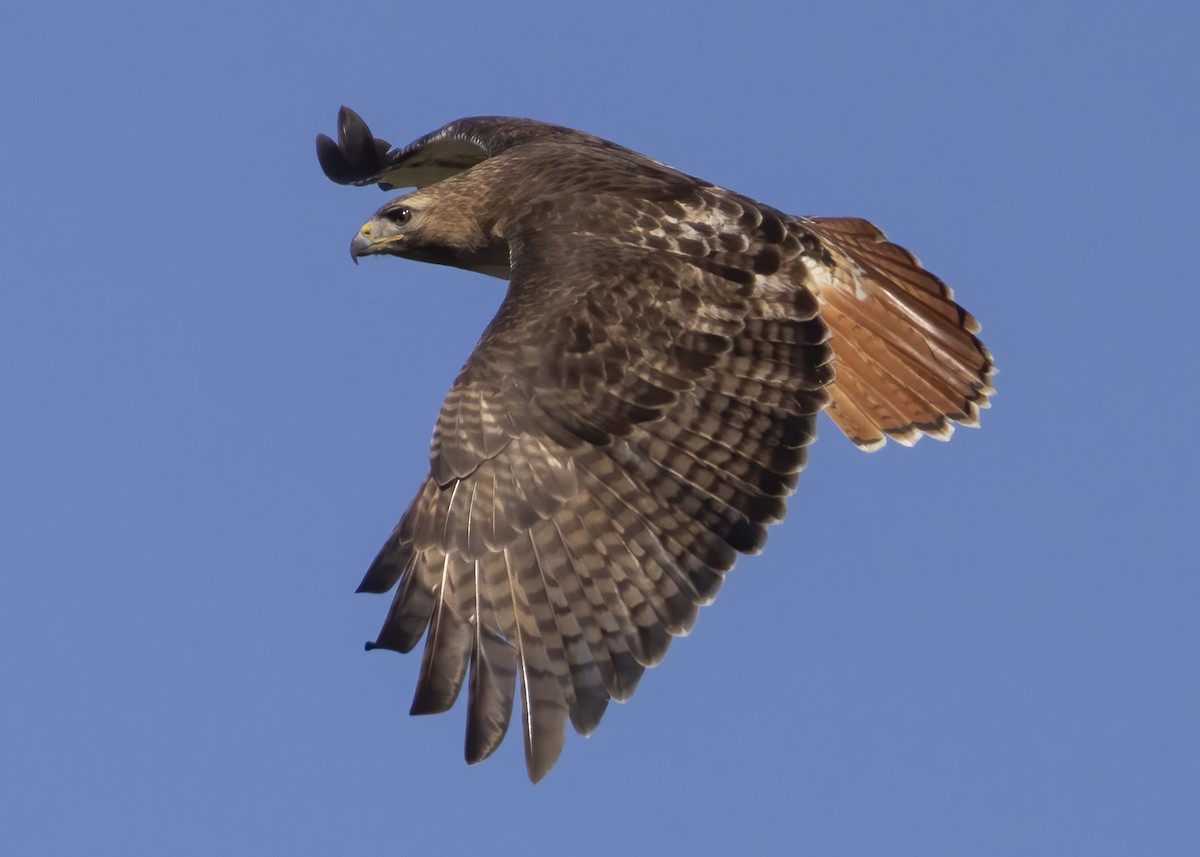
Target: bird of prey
(637,412)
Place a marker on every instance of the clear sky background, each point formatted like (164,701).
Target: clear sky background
(211,420)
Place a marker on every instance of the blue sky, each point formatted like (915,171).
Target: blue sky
(211,420)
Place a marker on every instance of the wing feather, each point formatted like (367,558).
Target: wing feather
(449,642)
(601,484)
(495,660)
(543,707)
(636,414)
(358,157)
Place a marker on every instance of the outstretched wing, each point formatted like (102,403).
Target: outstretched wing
(635,415)
(908,359)
(358,157)
(631,420)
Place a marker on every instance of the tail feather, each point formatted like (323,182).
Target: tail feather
(908,361)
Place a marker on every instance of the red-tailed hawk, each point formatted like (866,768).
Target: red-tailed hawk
(637,412)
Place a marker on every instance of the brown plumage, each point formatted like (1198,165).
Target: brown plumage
(637,412)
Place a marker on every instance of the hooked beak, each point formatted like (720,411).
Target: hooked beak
(374,237)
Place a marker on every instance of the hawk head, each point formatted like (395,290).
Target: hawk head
(422,227)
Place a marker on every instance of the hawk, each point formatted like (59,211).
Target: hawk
(637,412)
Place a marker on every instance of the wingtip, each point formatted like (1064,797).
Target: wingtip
(351,126)
(357,156)
(539,761)
(333,162)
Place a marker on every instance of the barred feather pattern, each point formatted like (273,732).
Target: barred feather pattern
(578,515)
(636,414)
(909,361)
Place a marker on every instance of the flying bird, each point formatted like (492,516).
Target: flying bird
(637,412)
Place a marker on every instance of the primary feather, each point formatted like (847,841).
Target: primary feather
(637,412)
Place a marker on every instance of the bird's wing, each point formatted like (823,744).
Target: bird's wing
(908,359)
(358,157)
(631,420)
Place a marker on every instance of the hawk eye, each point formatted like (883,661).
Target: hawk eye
(399,215)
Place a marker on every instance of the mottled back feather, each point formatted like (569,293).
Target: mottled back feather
(636,414)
